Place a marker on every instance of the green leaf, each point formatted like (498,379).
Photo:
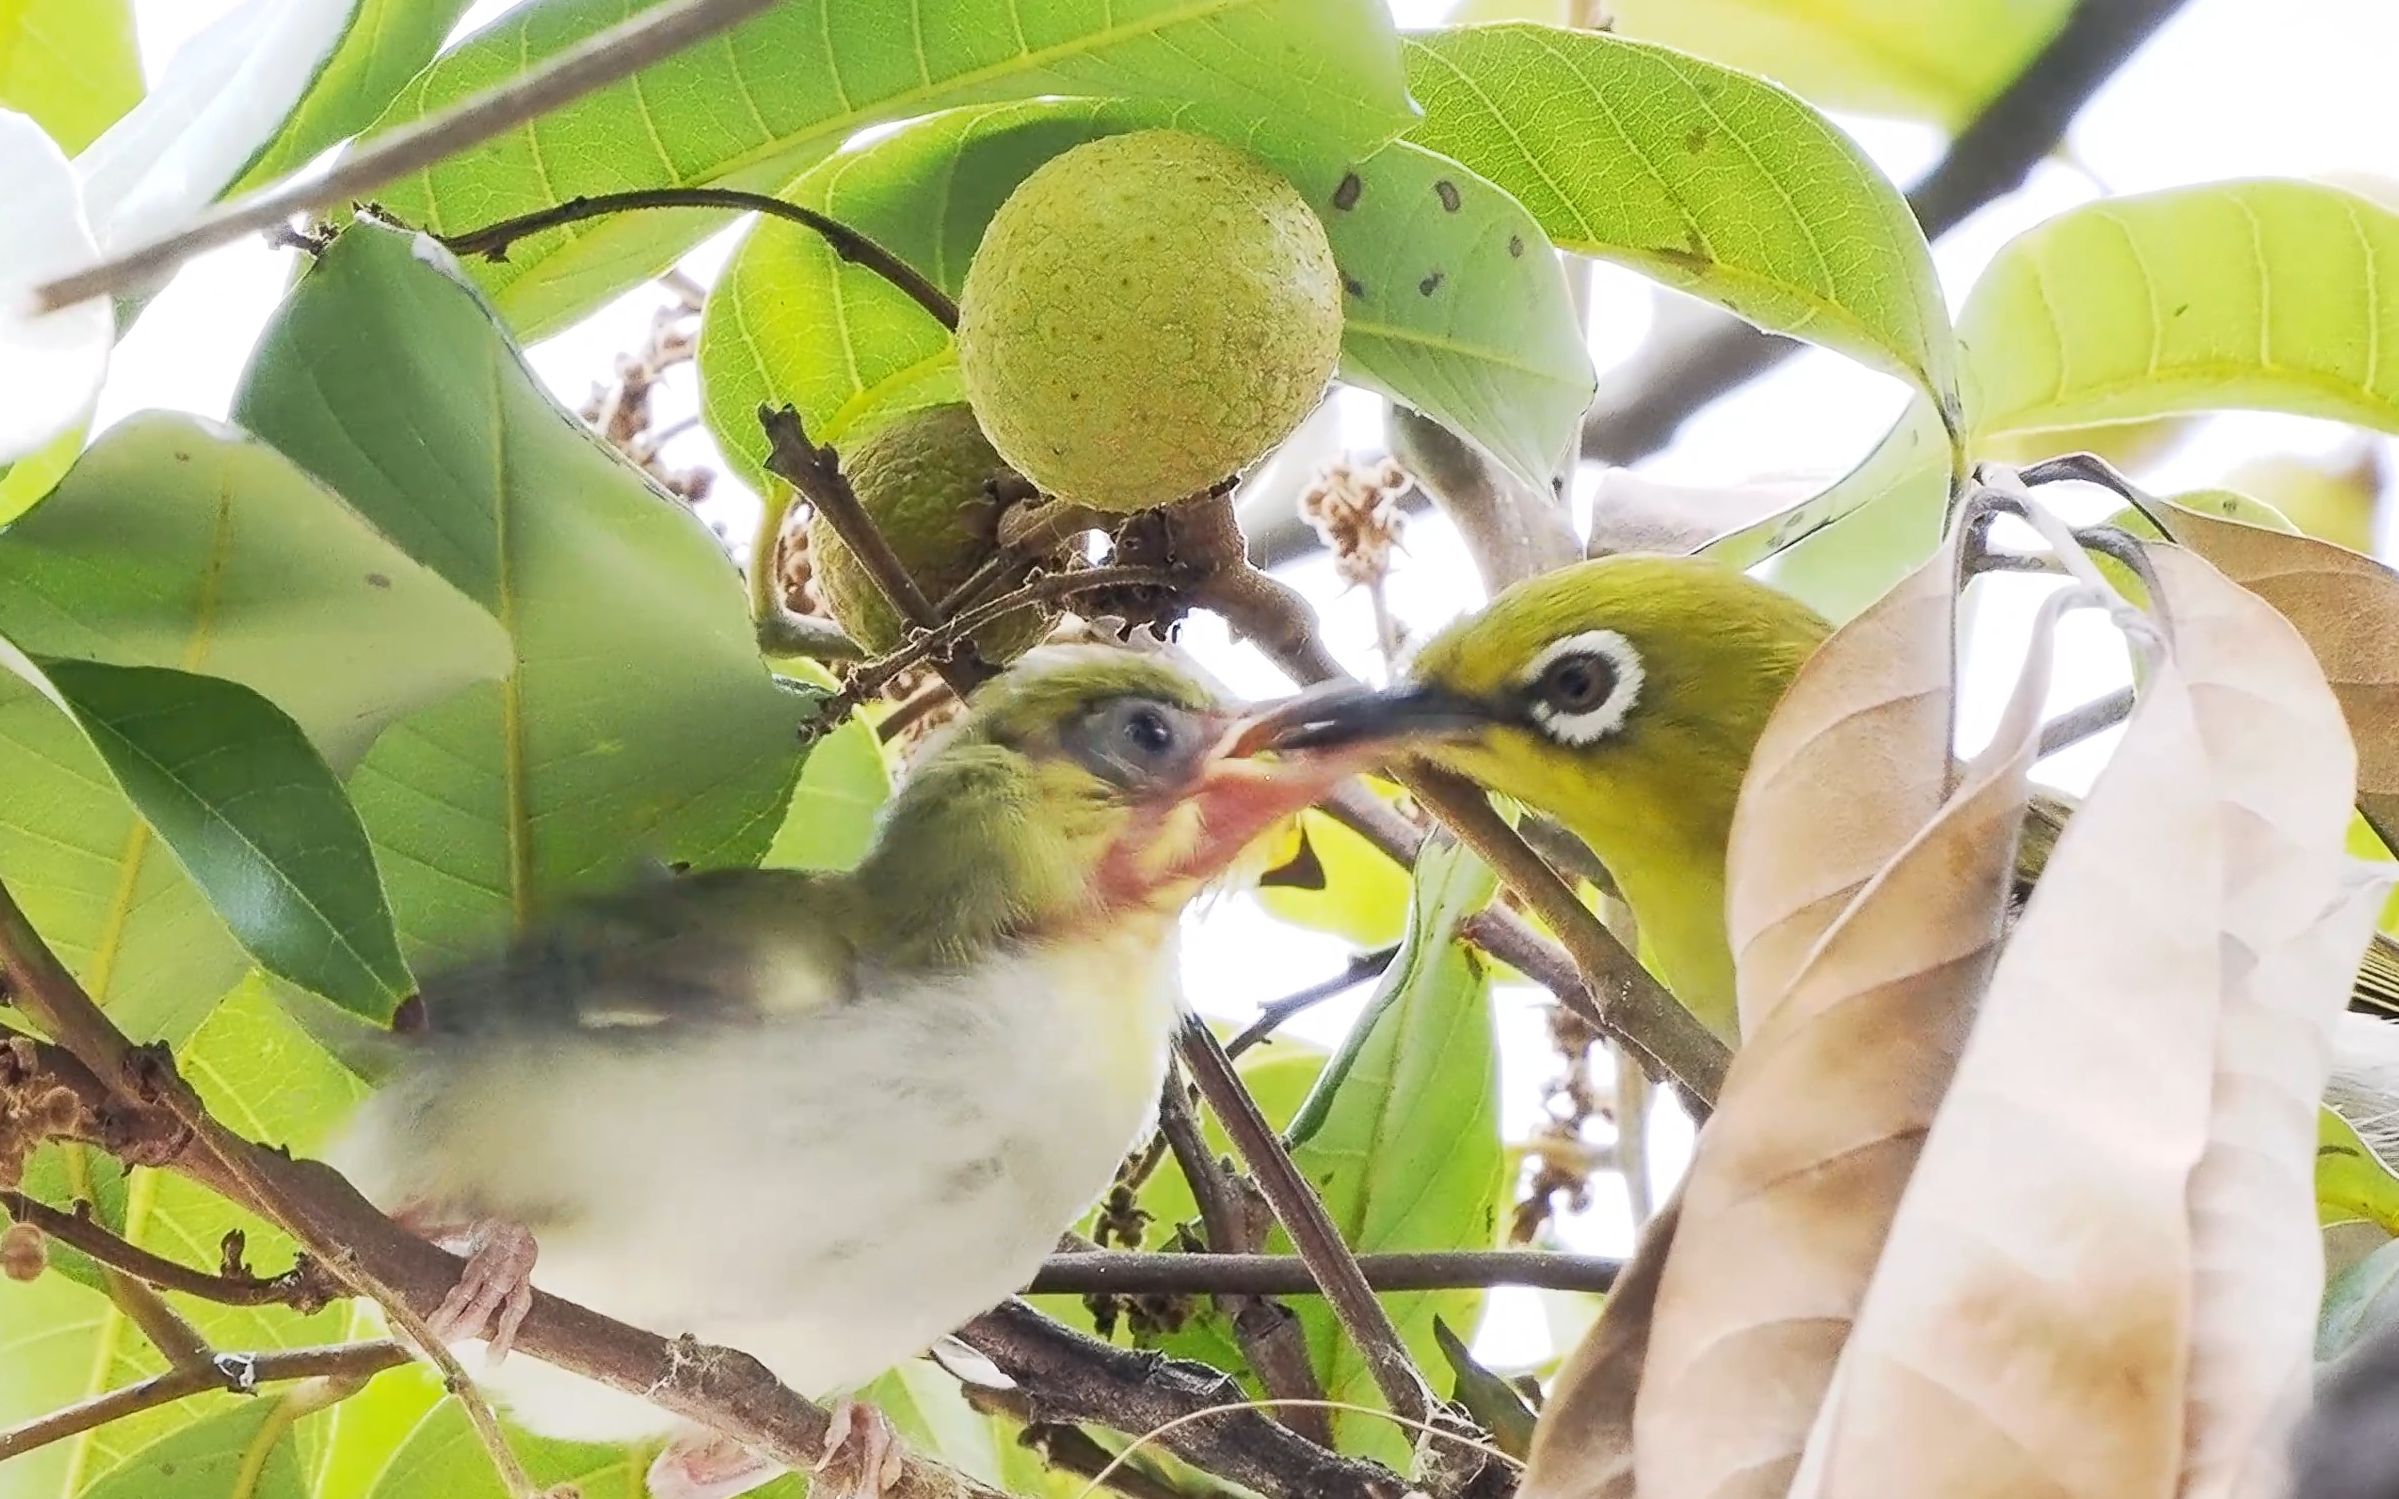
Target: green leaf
(253,813)
(384,45)
(639,719)
(837,802)
(1842,549)
(242,1450)
(441,1459)
(2359,1303)
(1365,894)
(758,107)
(1707,179)
(2352,1182)
(1882,57)
(1458,312)
(2264,295)
(1498,1406)
(70,64)
(176,542)
(264,1078)
(1401,1133)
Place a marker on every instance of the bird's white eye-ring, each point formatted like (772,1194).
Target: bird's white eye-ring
(1582,687)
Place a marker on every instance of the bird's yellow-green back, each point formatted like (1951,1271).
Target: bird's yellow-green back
(1623,697)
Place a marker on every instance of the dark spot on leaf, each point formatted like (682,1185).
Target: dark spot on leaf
(183,457)
(2179,311)
(1354,287)
(378,580)
(1697,140)
(1516,247)
(1447,192)
(1429,284)
(1345,197)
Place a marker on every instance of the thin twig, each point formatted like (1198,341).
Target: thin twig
(1067,1376)
(932,644)
(167,1330)
(238,1372)
(300,1287)
(1271,1015)
(612,55)
(912,712)
(1128,1272)
(1268,1333)
(2080,722)
(492,240)
(1304,1218)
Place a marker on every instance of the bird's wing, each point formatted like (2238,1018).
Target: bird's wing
(726,946)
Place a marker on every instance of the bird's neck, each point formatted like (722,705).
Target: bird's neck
(1670,870)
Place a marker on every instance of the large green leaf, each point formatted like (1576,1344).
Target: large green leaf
(384,45)
(1842,549)
(70,64)
(1401,1134)
(241,1452)
(250,809)
(1458,311)
(266,1079)
(176,542)
(760,106)
(1707,179)
(1886,57)
(639,719)
(2266,295)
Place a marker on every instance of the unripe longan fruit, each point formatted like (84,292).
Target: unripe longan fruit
(1147,315)
(933,485)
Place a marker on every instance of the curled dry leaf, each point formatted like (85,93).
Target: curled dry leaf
(2082,1293)
(2296,916)
(1800,1171)
(1583,1444)
(2346,606)
(1864,730)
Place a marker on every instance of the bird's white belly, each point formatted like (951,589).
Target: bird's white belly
(835,1191)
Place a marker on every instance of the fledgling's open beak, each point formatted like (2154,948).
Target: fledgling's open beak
(1359,721)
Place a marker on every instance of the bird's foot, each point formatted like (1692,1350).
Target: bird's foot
(704,1465)
(494,1291)
(862,1454)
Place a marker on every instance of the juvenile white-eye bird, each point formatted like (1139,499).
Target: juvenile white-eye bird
(827,1118)
(1623,697)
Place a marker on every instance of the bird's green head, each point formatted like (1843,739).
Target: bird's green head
(1088,789)
(1621,695)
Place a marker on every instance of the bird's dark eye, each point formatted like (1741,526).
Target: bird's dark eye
(1582,689)
(1134,742)
(1577,684)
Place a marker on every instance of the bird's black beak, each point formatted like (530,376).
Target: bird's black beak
(1350,715)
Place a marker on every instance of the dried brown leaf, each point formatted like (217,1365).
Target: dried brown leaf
(2025,1332)
(2296,917)
(1863,731)
(1800,1170)
(2346,606)
(1583,1446)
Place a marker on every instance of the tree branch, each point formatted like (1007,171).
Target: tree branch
(614,54)
(1268,1333)
(1701,359)
(1312,1230)
(240,1373)
(492,240)
(301,1287)
(1067,1377)
(1126,1272)
(1271,1015)
(816,473)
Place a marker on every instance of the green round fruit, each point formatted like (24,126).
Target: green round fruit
(1147,315)
(932,483)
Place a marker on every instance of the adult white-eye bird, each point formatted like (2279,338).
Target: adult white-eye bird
(826,1118)
(1623,697)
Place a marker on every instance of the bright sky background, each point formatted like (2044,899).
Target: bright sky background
(2229,88)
